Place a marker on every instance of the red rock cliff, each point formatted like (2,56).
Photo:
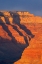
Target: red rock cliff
(20,38)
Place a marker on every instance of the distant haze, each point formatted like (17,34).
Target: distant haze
(32,6)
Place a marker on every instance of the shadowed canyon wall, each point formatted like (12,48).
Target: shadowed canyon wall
(20,38)
(14,37)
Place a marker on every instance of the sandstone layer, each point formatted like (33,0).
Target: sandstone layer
(23,17)
(20,38)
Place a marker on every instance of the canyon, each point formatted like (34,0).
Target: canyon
(20,38)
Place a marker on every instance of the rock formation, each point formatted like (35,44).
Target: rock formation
(19,31)
(25,17)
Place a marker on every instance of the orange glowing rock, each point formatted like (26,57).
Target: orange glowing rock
(20,38)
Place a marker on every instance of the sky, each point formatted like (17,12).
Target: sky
(32,6)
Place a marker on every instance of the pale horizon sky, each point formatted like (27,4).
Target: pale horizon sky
(32,6)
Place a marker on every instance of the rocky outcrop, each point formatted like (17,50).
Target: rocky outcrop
(33,53)
(14,37)
(20,38)
(23,17)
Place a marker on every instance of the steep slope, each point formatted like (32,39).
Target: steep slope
(33,53)
(20,37)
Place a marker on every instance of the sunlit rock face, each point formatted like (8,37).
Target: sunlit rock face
(14,37)
(20,38)
(25,17)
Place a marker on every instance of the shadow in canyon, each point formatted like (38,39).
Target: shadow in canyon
(16,20)
(11,50)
